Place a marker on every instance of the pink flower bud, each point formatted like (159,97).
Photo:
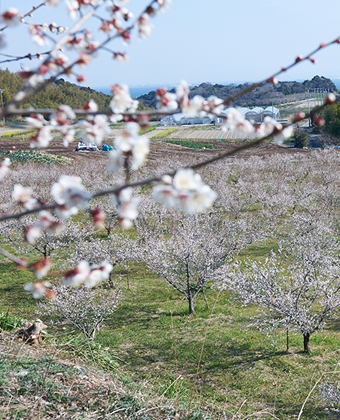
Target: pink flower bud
(318,121)
(298,59)
(81,78)
(330,99)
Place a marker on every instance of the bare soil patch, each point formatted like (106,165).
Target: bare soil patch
(158,149)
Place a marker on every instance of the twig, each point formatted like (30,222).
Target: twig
(28,13)
(13,258)
(239,409)
(310,392)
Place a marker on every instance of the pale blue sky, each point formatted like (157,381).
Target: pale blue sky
(207,41)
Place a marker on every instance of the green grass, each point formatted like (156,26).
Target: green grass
(148,130)
(191,144)
(163,134)
(23,156)
(238,363)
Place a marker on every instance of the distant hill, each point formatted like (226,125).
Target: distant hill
(262,96)
(57,93)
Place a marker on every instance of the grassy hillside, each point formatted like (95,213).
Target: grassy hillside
(56,93)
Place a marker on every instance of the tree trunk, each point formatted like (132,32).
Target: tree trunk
(127,275)
(191,304)
(306,348)
(287,340)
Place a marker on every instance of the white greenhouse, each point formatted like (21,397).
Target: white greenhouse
(271,111)
(181,119)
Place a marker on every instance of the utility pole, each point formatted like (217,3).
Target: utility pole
(308,95)
(2,103)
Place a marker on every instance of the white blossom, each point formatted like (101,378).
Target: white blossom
(116,161)
(4,167)
(143,26)
(69,191)
(38,289)
(140,150)
(122,100)
(11,17)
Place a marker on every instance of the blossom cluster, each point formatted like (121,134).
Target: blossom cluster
(86,275)
(185,192)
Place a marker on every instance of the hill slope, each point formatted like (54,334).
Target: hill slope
(262,96)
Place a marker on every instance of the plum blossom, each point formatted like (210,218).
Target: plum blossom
(72,8)
(214,105)
(89,276)
(122,100)
(127,211)
(37,35)
(182,91)
(120,57)
(143,26)
(187,193)
(42,267)
(125,141)
(33,233)
(95,128)
(68,136)
(4,167)
(271,126)
(186,179)
(140,150)
(163,5)
(116,161)
(35,121)
(69,192)
(49,223)
(193,107)
(24,195)
(166,101)
(51,3)
(98,273)
(129,141)
(11,17)
(45,222)
(43,137)
(244,128)
(39,289)
(91,106)
(284,134)
(62,115)
(233,117)
(98,217)
(78,275)
(197,201)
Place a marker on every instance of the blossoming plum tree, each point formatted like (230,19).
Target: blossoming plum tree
(187,250)
(298,287)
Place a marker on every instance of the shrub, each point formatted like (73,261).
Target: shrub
(301,139)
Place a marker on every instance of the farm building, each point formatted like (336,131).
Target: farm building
(181,119)
(256,115)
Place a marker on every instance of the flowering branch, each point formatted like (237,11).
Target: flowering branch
(29,56)
(34,8)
